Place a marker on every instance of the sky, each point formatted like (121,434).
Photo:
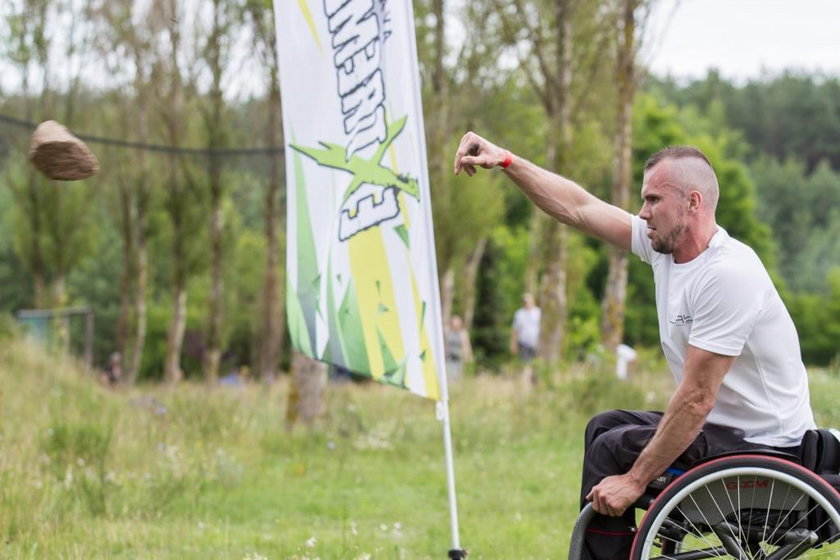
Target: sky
(742,38)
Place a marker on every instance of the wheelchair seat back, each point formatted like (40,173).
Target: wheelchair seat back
(820,451)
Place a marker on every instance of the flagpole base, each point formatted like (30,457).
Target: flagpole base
(457,554)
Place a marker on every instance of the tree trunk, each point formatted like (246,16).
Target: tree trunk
(535,250)
(306,391)
(177,196)
(175,337)
(552,296)
(615,295)
(141,198)
(213,353)
(470,277)
(36,254)
(553,300)
(141,287)
(126,229)
(215,56)
(272,304)
(62,322)
(447,294)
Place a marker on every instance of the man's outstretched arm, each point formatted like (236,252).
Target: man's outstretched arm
(556,195)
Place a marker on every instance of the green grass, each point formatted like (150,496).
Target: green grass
(210,473)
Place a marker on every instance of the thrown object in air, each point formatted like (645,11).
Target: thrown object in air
(59,155)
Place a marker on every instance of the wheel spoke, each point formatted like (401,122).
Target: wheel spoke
(767,518)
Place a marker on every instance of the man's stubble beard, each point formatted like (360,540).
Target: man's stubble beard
(667,244)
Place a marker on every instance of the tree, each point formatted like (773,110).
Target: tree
(464,212)
(542,36)
(271,332)
(123,31)
(171,81)
(615,295)
(216,56)
(28,49)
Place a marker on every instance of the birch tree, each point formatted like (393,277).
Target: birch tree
(615,294)
(125,31)
(216,57)
(272,308)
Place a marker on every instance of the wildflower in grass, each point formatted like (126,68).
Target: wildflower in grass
(310,542)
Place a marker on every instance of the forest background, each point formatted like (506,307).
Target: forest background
(177,244)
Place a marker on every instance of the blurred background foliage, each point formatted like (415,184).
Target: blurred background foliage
(178,99)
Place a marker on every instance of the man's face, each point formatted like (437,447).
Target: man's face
(664,209)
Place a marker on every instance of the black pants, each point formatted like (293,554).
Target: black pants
(613,441)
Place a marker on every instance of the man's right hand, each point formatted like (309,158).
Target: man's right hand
(476,151)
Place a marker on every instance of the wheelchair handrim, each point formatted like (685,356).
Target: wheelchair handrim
(778,475)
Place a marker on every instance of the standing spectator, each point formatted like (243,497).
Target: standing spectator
(458,348)
(113,371)
(525,334)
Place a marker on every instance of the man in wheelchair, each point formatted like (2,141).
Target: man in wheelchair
(728,338)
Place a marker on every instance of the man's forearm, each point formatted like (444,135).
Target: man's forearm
(680,425)
(554,194)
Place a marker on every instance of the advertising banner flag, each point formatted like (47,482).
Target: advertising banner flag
(362,288)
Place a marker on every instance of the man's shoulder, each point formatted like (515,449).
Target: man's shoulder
(732,257)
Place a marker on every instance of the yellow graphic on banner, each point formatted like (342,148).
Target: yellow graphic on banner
(377,303)
(310,21)
(430,373)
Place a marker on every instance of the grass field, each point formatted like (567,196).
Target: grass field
(195,472)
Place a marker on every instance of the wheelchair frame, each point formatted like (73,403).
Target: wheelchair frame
(744,506)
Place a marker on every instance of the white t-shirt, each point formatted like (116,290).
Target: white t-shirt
(723,301)
(526,323)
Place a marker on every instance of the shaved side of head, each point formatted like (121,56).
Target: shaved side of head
(690,170)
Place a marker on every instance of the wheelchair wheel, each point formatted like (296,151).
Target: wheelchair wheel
(746,507)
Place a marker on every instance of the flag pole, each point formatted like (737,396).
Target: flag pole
(456,552)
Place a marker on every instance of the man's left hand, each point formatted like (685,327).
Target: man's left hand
(613,495)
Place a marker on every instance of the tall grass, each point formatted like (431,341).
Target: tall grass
(197,472)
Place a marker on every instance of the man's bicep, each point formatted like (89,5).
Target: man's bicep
(607,222)
(705,370)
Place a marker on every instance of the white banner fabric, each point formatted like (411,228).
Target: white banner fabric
(362,290)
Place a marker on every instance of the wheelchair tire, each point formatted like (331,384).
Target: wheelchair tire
(742,507)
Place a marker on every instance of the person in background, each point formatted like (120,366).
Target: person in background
(113,371)
(525,334)
(458,348)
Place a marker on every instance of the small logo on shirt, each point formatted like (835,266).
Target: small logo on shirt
(681,320)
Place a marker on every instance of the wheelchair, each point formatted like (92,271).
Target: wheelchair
(744,505)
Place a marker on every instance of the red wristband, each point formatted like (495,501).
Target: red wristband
(508,160)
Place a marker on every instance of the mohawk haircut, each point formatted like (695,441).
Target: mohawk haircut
(676,152)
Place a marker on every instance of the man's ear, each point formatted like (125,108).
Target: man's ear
(695,201)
